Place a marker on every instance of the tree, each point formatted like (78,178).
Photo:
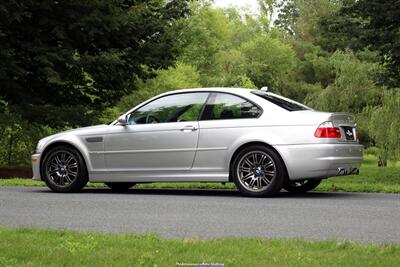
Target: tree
(372,24)
(301,17)
(353,90)
(232,49)
(269,61)
(62,61)
(384,127)
(206,35)
(267,9)
(354,87)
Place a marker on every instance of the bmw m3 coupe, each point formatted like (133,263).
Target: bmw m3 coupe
(261,141)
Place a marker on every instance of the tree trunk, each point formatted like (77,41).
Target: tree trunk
(10,145)
(382,162)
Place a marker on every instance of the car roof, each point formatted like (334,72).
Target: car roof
(246,92)
(239,91)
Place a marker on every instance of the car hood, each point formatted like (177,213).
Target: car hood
(84,131)
(89,130)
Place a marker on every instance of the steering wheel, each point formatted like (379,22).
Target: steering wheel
(151,119)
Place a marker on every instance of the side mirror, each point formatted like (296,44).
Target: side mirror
(122,120)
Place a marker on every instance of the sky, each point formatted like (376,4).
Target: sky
(252,5)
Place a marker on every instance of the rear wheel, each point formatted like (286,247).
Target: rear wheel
(258,171)
(302,186)
(64,170)
(119,186)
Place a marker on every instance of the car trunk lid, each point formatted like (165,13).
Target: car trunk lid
(346,123)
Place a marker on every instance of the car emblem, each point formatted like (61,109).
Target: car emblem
(349,133)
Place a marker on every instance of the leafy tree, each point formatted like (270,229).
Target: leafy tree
(301,17)
(268,61)
(312,73)
(245,82)
(60,60)
(229,66)
(287,16)
(228,48)
(206,35)
(354,87)
(372,24)
(267,8)
(385,125)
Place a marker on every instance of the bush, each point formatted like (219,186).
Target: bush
(18,139)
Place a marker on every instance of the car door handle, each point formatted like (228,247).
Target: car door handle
(189,128)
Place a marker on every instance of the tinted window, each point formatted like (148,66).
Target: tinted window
(172,108)
(227,106)
(288,105)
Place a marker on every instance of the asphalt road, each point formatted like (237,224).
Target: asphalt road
(207,213)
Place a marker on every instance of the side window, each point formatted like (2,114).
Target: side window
(227,106)
(171,108)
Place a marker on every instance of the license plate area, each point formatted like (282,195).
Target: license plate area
(349,133)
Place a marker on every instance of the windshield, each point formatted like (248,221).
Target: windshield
(287,104)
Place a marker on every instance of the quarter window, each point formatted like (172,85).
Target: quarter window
(227,106)
(171,108)
(281,102)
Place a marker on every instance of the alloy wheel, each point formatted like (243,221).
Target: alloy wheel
(62,168)
(256,170)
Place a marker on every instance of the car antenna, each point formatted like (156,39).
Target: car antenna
(264,89)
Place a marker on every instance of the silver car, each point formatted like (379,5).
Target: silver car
(261,141)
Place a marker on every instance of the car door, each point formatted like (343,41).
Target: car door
(160,136)
(226,118)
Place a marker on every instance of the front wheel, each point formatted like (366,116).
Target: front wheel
(120,186)
(64,170)
(258,171)
(302,186)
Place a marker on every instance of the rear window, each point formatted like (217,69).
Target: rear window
(281,102)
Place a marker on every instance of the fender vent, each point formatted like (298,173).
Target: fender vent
(96,139)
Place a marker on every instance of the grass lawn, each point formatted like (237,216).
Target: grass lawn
(371,179)
(31,247)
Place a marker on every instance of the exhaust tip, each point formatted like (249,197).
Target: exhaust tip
(347,171)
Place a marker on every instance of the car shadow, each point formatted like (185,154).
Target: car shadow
(316,194)
(167,191)
(206,192)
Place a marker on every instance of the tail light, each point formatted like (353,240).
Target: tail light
(327,130)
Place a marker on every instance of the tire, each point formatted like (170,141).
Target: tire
(119,186)
(302,186)
(64,170)
(258,171)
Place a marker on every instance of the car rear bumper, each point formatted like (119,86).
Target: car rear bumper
(35,158)
(321,160)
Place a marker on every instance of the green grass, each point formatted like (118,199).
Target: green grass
(371,179)
(32,247)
